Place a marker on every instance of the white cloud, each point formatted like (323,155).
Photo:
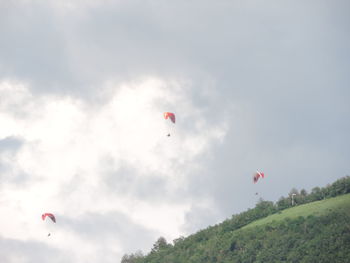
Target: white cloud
(69,147)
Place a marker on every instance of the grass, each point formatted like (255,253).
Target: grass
(315,208)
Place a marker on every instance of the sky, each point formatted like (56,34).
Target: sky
(255,85)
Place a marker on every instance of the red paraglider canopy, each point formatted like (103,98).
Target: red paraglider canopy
(43,216)
(169,115)
(257,175)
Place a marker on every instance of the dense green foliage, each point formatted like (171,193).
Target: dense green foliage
(308,232)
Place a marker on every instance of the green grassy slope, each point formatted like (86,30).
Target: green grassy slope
(317,208)
(315,231)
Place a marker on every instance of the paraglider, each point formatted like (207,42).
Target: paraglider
(51,216)
(171,116)
(257,176)
(43,216)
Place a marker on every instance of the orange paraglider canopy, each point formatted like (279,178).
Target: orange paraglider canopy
(169,115)
(257,176)
(43,216)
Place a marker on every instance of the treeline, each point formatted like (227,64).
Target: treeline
(339,187)
(220,244)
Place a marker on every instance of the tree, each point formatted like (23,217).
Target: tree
(179,239)
(316,194)
(132,258)
(283,203)
(160,244)
(303,196)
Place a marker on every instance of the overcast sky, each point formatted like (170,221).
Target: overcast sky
(83,87)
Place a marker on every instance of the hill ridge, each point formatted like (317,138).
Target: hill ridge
(316,229)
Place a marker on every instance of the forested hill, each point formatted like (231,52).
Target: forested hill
(315,229)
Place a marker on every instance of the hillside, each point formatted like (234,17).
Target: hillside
(316,208)
(317,229)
